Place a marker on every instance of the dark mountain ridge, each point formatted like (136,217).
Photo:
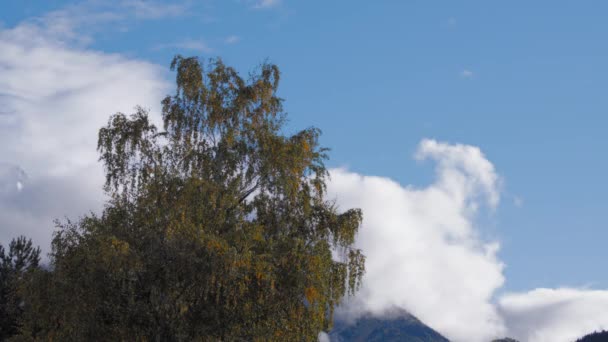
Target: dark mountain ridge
(595,337)
(397,326)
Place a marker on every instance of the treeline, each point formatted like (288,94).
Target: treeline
(216,228)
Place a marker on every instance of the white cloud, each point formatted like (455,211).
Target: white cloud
(54,97)
(423,251)
(323,337)
(555,315)
(466,73)
(463,163)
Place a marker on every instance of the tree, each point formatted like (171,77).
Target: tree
(217,228)
(20,259)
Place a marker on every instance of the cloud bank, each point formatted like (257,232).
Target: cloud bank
(53,99)
(423,252)
(425,255)
(565,314)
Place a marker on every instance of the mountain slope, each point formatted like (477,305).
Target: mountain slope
(401,327)
(595,337)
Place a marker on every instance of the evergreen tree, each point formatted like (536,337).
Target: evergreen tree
(217,227)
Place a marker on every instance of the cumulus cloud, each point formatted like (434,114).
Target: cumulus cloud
(54,96)
(424,254)
(555,315)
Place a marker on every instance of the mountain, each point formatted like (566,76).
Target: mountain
(595,337)
(398,327)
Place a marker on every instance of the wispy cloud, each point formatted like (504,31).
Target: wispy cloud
(233,39)
(196,45)
(466,73)
(154,10)
(518,201)
(266,3)
(78,23)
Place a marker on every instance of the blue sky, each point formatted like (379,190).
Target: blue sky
(525,82)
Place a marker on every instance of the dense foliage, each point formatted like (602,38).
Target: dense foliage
(217,227)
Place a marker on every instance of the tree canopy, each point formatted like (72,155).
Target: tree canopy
(217,227)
